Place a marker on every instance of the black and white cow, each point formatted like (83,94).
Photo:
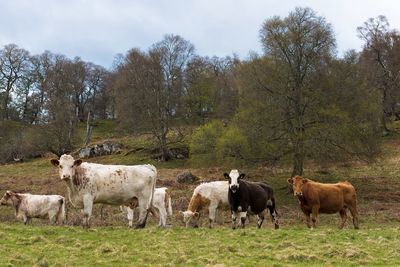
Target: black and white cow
(252,197)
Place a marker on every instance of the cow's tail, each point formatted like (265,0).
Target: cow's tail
(61,211)
(153,187)
(169,203)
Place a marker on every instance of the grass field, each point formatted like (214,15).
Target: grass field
(119,246)
(110,243)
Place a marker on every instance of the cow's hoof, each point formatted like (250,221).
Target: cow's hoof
(140,226)
(276,227)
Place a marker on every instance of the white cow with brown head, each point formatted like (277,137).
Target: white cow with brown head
(209,196)
(90,183)
(29,206)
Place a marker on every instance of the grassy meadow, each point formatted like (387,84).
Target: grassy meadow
(118,246)
(111,243)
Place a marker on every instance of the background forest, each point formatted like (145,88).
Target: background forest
(298,101)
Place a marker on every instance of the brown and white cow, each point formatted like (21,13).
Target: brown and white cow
(317,198)
(90,183)
(206,196)
(161,202)
(29,206)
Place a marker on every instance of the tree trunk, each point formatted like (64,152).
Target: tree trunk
(298,162)
(385,130)
(163,148)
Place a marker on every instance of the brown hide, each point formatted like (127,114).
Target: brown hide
(317,198)
(198,202)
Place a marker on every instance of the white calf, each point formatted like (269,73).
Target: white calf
(29,206)
(207,195)
(161,200)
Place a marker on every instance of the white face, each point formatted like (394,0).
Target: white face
(188,215)
(234,177)
(66,166)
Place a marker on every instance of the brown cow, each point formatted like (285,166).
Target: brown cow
(317,198)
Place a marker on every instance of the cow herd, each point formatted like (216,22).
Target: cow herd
(133,187)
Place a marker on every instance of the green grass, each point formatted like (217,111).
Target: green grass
(119,246)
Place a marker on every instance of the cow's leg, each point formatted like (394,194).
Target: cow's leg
(212,210)
(163,216)
(87,210)
(260,219)
(354,214)
(52,217)
(143,212)
(307,219)
(234,216)
(129,215)
(243,216)
(26,219)
(314,215)
(274,216)
(343,215)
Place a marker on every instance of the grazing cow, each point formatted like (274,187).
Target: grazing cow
(29,206)
(252,197)
(161,201)
(90,183)
(317,198)
(206,195)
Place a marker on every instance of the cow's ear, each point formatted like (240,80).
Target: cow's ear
(196,213)
(226,176)
(77,162)
(304,181)
(290,181)
(242,175)
(55,162)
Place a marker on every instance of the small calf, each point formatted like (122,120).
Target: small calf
(208,196)
(253,197)
(29,206)
(161,202)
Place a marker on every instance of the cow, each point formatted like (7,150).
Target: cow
(317,198)
(209,196)
(252,197)
(91,183)
(161,202)
(28,206)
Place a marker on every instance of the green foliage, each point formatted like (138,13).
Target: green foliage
(232,144)
(204,139)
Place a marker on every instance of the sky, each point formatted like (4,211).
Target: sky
(97,30)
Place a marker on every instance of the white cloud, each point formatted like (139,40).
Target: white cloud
(97,30)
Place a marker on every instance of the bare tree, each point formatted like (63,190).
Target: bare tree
(12,63)
(380,56)
(299,45)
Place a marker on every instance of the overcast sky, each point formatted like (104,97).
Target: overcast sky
(97,30)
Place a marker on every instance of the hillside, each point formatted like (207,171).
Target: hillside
(377,184)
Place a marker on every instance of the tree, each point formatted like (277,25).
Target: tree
(150,85)
(299,45)
(13,60)
(381,60)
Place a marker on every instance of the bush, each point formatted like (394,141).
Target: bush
(204,139)
(232,143)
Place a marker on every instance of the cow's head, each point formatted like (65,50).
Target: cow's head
(188,216)
(297,183)
(234,178)
(7,198)
(66,166)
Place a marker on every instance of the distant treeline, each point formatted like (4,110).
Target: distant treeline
(298,100)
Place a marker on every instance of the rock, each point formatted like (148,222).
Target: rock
(107,148)
(186,178)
